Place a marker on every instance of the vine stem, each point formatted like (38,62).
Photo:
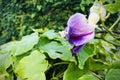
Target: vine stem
(109,31)
(97,75)
(108,41)
(107,15)
(103,31)
(60,63)
(118,19)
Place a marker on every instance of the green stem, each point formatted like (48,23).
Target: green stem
(110,31)
(60,63)
(107,15)
(104,31)
(60,75)
(115,23)
(97,75)
(116,44)
(111,42)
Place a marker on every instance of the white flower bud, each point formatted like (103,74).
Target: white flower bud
(62,33)
(93,18)
(102,13)
(95,8)
(98,9)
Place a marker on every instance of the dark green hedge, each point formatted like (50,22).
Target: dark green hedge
(19,17)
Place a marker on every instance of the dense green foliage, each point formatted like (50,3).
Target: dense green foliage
(30,50)
(19,17)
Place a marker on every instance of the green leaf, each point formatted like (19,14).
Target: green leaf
(84,54)
(114,7)
(22,46)
(8,47)
(56,50)
(43,41)
(49,1)
(108,1)
(39,7)
(5,62)
(32,67)
(33,15)
(65,42)
(88,77)
(98,66)
(115,65)
(113,74)
(26,43)
(57,4)
(73,72)
(85,2)
(50,34)
(100,48)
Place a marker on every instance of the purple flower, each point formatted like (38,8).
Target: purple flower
(79,31)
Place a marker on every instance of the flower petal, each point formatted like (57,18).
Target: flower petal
(76,19)
(79,31)
(82,29)
(93,18)
(77,40)
(76,49)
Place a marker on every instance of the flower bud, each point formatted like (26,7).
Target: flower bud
(95,8)
(93,18)
(98,9)
(102,13)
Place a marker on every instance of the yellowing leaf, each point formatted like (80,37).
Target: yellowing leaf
(32,67)
(88,77)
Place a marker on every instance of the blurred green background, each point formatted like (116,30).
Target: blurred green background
(19,17)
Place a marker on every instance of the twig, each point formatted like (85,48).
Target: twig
(60,63)
(107,15)
(97,75)
(108,41)
(103,31)
(114,23)
(109,31)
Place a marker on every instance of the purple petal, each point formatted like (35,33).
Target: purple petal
(77,40)
(76,49)
(82,28)
(79,31)
(66,32)
(79,24)
(76,19)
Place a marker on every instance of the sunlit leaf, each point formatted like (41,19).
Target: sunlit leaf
(56,4)
(73,72)
(114,7)
(88,77)
(26,43)
(50,34)
(32,67)
(8,47)
(5,62)
(22,46)
(39,7)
